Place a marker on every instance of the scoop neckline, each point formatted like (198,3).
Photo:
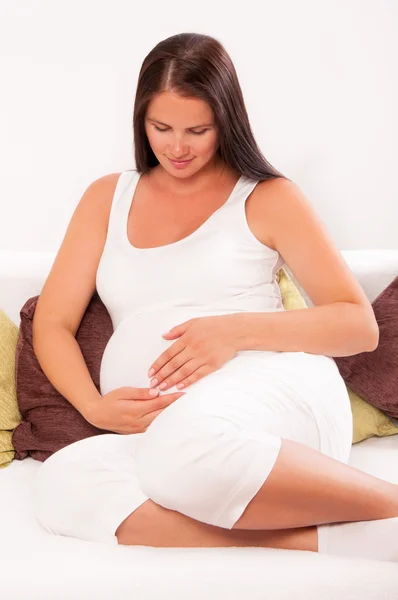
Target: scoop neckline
(178,242)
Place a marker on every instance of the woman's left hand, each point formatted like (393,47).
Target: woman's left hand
(204,345)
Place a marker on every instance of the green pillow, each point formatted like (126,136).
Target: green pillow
(9,411)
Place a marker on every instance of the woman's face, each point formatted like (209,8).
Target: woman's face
(181,129)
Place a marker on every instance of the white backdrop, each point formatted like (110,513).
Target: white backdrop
(319,79)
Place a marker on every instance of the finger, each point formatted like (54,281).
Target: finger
(182,373)
(145,422)
(134,393)
(198,374)
(173,395)
(147,419)
(166,357)
(172,365)
(162,401)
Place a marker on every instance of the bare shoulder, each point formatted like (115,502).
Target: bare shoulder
(104,187)
(100,193)
(303,240)
(269,203)
(285,204)
(72,279)
(273,193)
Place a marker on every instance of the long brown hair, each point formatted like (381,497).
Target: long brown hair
(196,65)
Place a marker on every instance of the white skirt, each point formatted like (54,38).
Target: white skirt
(207,454)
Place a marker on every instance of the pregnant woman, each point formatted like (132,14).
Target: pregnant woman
(184,252)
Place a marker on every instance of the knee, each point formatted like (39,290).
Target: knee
(182,467)
(51,486)
(60,489)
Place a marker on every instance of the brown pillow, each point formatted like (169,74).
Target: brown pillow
(374,375)
(50,421)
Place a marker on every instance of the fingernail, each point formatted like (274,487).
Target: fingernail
(151,372)
(153,392)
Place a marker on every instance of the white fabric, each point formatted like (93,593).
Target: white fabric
(208,453)
(374,269)
(23,273)
(221,268)
(33,561)
(37,564)
(376,539)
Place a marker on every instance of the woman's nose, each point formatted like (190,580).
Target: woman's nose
(179,149)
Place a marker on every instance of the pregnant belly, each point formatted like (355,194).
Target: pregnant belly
(135,344)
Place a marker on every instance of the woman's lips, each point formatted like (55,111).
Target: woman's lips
(179,163)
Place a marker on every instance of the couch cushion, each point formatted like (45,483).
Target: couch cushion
(22,274)
(9,413)
(33,561)
(49,421)
(374,375)
(368,420)
(374,270)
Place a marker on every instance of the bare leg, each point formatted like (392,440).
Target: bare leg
(154,525)
(306,487)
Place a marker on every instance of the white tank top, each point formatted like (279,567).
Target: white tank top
(221,268)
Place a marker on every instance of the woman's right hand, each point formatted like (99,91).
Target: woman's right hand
(127,409)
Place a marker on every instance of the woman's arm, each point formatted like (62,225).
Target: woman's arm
(67,292)
(342,321)
(62,362)
(338,329)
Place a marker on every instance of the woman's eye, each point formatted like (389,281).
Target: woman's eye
(194,132)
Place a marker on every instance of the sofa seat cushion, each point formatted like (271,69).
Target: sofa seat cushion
(374,375)
(58,567)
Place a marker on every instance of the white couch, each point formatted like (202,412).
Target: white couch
(38,565)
